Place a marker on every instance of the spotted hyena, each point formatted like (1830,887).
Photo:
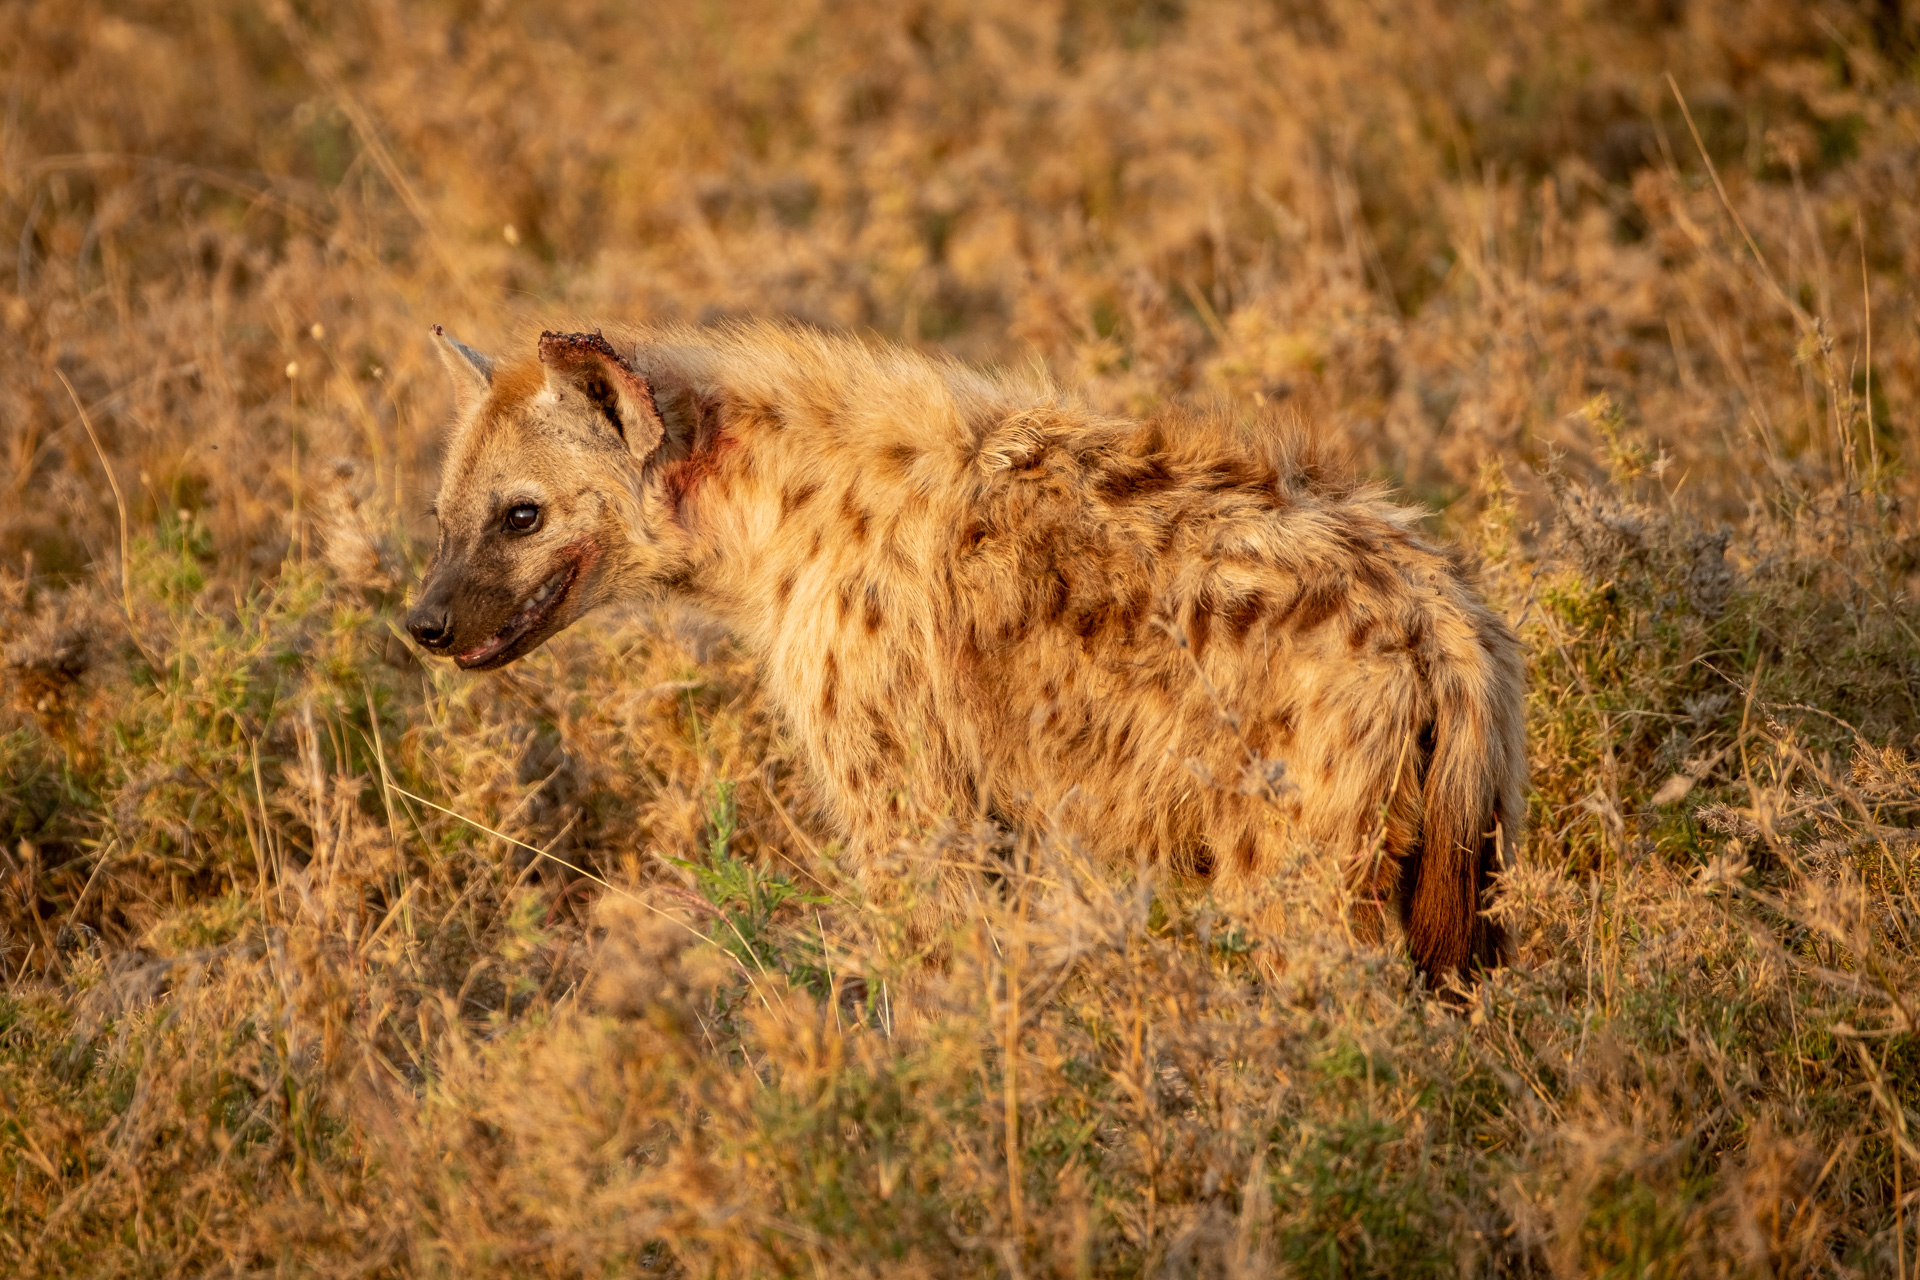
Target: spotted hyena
(973,594)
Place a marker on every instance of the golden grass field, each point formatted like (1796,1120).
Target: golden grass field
(1626,293)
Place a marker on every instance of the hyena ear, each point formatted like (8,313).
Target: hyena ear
(472,372)
(586,365)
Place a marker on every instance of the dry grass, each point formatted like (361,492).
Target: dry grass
(271,1007)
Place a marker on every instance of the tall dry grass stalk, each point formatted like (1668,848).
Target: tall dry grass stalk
(318,962)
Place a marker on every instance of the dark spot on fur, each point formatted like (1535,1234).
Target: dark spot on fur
(843,599)
(1059,591)
(1355,540)
(1318,603)
(1416,647)
(1245,850)
(1374,574)
(1358,629)
(784,592)
(901,455)
(970,655)
(1126,481)
(883,740)
(813,551)
(857,516)
(971,536)
(1149,440)
(1091,621)
(794,498)
(1244,613)
(1234,473)
(829,687)
(1200,626)
(872,615)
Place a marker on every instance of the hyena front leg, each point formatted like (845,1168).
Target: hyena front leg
(907,863)
(907,810)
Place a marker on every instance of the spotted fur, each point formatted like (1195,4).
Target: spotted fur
(972,594)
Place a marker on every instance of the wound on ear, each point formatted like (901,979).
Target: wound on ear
(597,371)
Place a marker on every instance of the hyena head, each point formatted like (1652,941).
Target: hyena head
(549,502)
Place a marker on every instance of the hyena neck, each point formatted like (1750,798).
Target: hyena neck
(800,521)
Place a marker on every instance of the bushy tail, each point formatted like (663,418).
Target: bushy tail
(1472,800)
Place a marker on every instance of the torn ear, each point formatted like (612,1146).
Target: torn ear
(586,365)
(472,372)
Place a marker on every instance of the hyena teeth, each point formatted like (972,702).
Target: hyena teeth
(547,588)
(539,598)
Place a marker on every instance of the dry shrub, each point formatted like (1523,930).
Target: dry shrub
(322,962)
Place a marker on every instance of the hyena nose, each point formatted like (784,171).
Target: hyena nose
(430,629)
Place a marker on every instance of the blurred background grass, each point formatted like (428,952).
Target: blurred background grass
(1626,292)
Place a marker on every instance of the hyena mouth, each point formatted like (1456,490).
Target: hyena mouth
(504,645)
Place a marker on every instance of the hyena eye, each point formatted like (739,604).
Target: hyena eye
(523,518)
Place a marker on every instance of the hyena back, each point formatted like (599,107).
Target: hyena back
(972,594)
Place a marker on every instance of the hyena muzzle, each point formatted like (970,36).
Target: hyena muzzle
(972,594)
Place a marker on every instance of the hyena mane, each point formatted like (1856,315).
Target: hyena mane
(971,593)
